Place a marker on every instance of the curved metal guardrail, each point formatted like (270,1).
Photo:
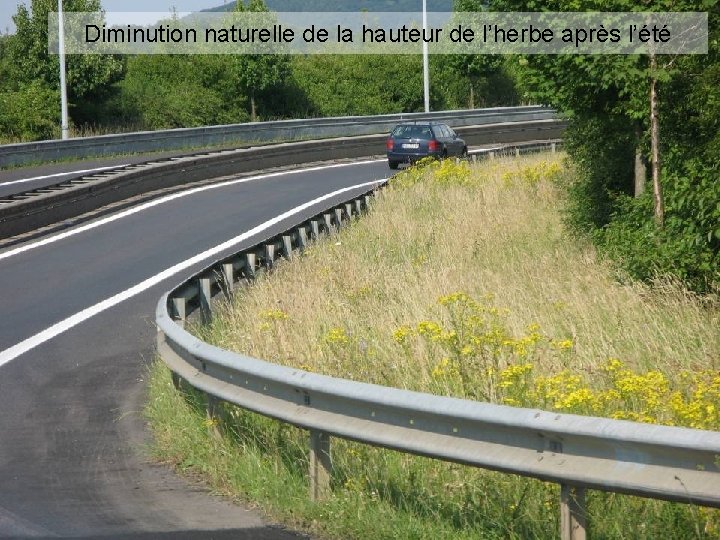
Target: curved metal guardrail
(577,452)
(252,132)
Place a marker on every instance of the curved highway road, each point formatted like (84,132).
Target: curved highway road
(76,335)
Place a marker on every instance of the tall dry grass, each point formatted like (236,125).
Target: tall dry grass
(498,237)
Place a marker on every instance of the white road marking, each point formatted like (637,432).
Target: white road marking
(58,328)
(162,200)
(57,175)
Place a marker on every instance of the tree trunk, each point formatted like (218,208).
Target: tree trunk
(253,116)
(640,164)
(655,145)
(472,97)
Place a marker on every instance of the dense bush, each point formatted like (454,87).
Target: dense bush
(29,112)
(161,92)
(602,150)
(687,247)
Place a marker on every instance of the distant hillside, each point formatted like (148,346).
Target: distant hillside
(343,5)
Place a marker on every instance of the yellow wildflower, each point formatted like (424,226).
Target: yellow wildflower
(401,334)
(337,336)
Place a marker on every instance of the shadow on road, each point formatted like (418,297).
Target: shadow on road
(256,533)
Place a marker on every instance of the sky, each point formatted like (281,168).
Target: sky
(8,8)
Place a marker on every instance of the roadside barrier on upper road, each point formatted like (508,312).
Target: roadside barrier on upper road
(252,132)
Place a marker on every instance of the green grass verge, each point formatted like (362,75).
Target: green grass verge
(461,282)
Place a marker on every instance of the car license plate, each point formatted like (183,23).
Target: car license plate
(414,146)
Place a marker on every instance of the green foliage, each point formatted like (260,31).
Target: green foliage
(170,91)
(256,75)
(31,75)
(88,76)
(471,81)
(5,66)
(377,84)
(602,168)
(688,247)
(29,112)
(356,85)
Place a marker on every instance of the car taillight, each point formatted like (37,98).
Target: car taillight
(389,144)
(433,146)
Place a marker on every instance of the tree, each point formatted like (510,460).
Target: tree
(89,77)
(258,73)
(473,68)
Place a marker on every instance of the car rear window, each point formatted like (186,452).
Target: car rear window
(412,132)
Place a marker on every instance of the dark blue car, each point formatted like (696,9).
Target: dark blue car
(410,142)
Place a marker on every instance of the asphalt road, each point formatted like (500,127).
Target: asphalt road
(73,442)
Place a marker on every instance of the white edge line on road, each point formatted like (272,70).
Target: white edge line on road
(58,328)
(57,175)
(161,200)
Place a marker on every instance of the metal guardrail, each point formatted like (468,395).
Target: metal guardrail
(252,132)
(31,210)
(577,452)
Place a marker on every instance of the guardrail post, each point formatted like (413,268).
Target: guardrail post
(205,297)
(366,200)
(250,261)
(338,217)
(349,210)
(302,237)
(320,465)
(517,152)
(314,229)
(269,255)
(229,275)
(180,307)
(358,206)
(491,154)
(287,245)
(474,158)
(327,220)
(573,514)
(553,147)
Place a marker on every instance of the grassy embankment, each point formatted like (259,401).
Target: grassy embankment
(460,282)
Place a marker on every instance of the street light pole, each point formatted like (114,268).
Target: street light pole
(426,61)
(64,125)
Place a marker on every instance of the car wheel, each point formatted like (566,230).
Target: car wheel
(393,164)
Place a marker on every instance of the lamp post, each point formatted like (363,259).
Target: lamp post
(65,128)
(426,60)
